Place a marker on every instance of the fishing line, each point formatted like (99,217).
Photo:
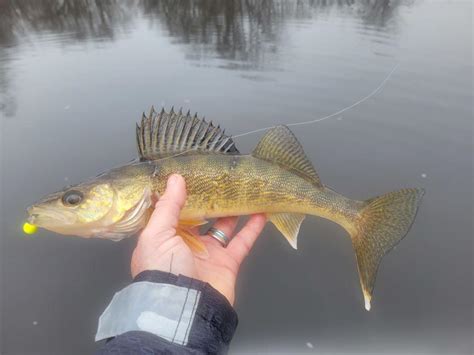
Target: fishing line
(374,92)
(357,103)
(171,262)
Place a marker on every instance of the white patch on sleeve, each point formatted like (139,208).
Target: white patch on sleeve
(161,309)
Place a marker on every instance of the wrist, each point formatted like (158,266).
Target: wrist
(202,317)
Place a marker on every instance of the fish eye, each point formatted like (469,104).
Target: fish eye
(72,198)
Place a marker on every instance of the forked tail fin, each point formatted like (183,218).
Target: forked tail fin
(383,222)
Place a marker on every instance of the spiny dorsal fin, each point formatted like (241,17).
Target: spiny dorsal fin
(279,145)
(168,133)
(288,224)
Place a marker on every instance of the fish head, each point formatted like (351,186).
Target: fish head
(113,205)
(75,210)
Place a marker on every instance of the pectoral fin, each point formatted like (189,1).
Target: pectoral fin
(288,224)
(192,222)
(192,241)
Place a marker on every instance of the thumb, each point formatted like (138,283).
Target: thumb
(165,217)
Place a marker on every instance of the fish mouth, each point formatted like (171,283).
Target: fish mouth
(46,217)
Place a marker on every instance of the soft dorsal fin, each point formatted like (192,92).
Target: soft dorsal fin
(279,145)
(168,133)
(288,224)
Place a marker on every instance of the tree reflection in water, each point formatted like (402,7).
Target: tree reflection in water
(243,34)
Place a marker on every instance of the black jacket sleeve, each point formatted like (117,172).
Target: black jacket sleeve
(210,332)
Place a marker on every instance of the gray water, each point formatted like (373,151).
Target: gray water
(76,75)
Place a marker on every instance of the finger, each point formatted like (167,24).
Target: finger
(226,225)
(165,216)
(242,243)
(195,230)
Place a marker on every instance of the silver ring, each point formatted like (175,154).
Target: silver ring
(219,236)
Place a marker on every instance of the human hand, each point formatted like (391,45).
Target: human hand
(160,248)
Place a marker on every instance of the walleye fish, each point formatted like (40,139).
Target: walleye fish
(276,179)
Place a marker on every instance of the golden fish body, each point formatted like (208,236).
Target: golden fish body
(276,179)
(232,185)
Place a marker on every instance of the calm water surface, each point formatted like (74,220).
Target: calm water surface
(76,75)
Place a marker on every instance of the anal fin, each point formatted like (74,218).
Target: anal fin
(288,224)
